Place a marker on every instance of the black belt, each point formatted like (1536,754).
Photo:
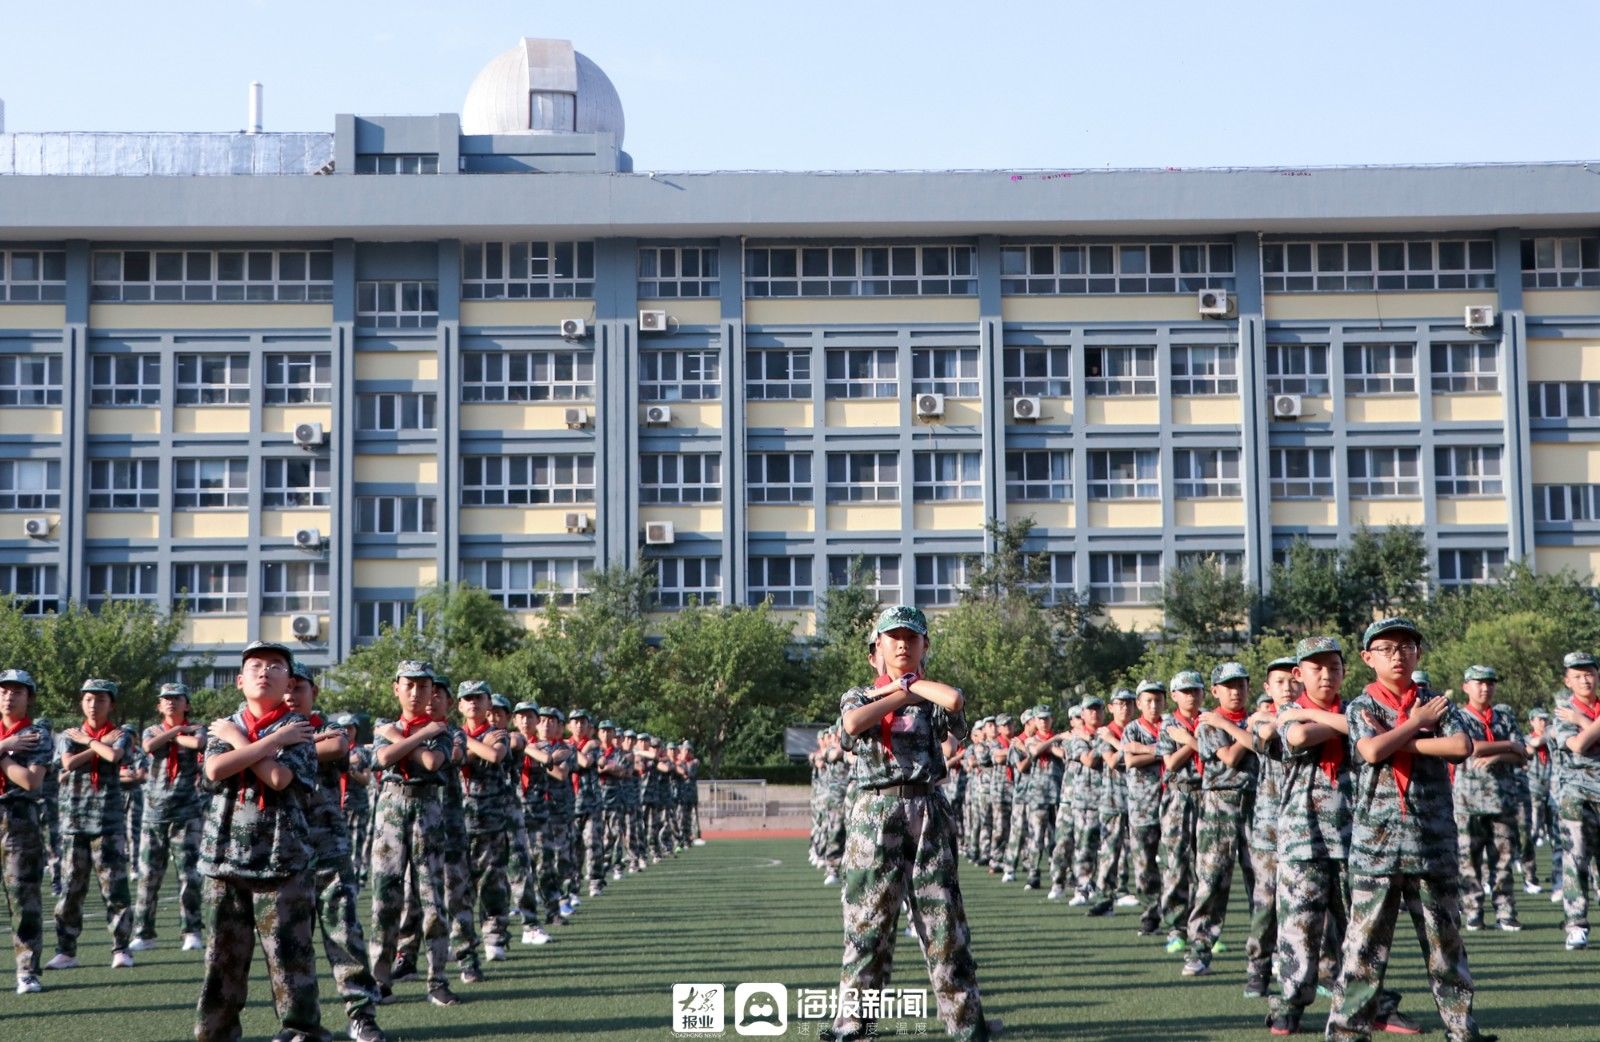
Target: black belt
(905,790)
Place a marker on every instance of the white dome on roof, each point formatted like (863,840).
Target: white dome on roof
(542,87)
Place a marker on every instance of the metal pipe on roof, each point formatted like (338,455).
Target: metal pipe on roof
(254,126)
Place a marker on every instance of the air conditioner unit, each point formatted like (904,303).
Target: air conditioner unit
(574,328)
(309,435)
(658,415)
(577,521)
(659,533)
(930,405)
(305,627)
(653,321)
(1287,407)
(577,416)
(1024,408)
(1214,303)
(1479,316)
(36,527)
(308,538)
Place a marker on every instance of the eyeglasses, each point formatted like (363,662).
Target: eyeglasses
(271,669)
(1392,650)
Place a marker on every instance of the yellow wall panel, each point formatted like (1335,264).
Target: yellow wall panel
(1125,513)
(1566,464)
(1452,511)
(540,417)
(525,312)
(408,469)
(210,524)
(208,629)
(413,573)
(687,414)
(282,524)
(803,622)
(857,310)
(397,365)
(1122,411)
(1045,515)
(283,419)
(1206,411)
(126,420)
(1312,407)
(210,316)
(684,519)
(1208,513)
(948,517)
(1139,620)
(20,420)
(1561,302)
(957,413)
(1553,360)
(520,520)
(33,316)
(279,629)
(1401,408)
(1447,407)
(782,519)
(1301,512)
(863,412)
(1585,560)
(1376,306)
(686,312)
(876,518)
(1386,511)
(118,524)
(1176,307)
(211,420)
(780,414)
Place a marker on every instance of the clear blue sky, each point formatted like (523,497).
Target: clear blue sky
(864,84)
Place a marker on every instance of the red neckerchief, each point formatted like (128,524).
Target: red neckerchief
(94,767)
(1192,727)
(1401,705)
(407,724)
(1005,743)
(578,746)
(172,753)
(886,725)
(1116,729)
(527,771)
(1044,738)
(1153,727)
(1236,718)
(1330,757)
(1592,710)
(253,727)
(7,732)
(466,765)
(1544,754)
(1486,718)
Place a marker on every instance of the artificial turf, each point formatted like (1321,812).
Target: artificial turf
(754,910)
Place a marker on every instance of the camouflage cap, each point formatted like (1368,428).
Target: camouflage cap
(174,691)
(266,647)
(1263,699)
(1286,663)
(1002,718)
(685,744)
(608,725)
(1421,678)
(1538,713)
(1503,707)
(1151,685)
(499,701)
(414,668)
(630,733)
(441,681)
(1027,714)
(1092,702)
(1480,673)
(18,676)
(1227,672)
(1074,712)
(474,689)
(1382,626)
(1187,680)
(1122,694)
(1579,660)
(579,714)
(300,671)
(99,687)
(644,736)
(901,617)
(1311,647)
(655,740)
(528,707)
(985,720)
(1043,710)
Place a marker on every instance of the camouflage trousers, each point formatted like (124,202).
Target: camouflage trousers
(540,901)
(1086,842)
(657,831)
(833,833)
(1066,846)
(344,944)
(133,820)
(1017,835)
(688,822)
(1545,824)
(1311,929)
(566,841)
(1488,846)
(1220,846)
(51,821)
(903,848)
(614,829)
(23,848)
(980,833)
(160,839)
(489,889)
(999,831)
(969,825)
(1180,819)
(1113,851)
(279,912)
(1435,908)
(1263,937)
(81,854)
(1580,826)
(357,821)
(1144,848)
(408,838)
(1526,862)
(1041,841)
(464,944)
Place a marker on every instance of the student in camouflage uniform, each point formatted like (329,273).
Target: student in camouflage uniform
(969,803)
(484,787)
(1000,803)
(1278,690)
(172,818)
(1227,754)
(1486,796)
(49,800)
(1574,737)
(1180,809)
(1113,807)
(614,768)
(25,751)
(1065,851)
(654,777)
(1542,820)
(1045,767)
(1403,843)
(689,768)
(355,799)
(1142,776)
(902,838)
(1017,761)
(588,855)
(259,769)
(982,791)
(134,770)
(92,825)
(835,780)
(1087,794)
(626,845)
(543,778)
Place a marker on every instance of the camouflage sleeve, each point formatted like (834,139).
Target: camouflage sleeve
(1165,746)
(1077,747)
(301,759)
(1453,723)
(855,698)
(1360,727)
(213,748)
(1513,732)
(1290,753)
(123,743)
(1211,741)
(39,755)
(379,741)
(955,725)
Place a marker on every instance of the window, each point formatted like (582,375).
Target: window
(1467,470)
(863,372)
(1119,371)
(223,678)
(682,581)
(680,477)
(27,276)
(1463,567)
(1206,473)
(1384,473)
(124,484)
(939,477)
(1124,474)
(397,411)
(1566,502)
(500,481)
(30,379)
(950,371)
(527,271)
(125,379)
(940,579)
(880,573)
(1060,585)
(1302,473)
(859,271)
(680,376)
(30,484)
(1039,475)
(294,586)
(394,515)
(398,303)
(213,379)
(1560,263)
(296,481)
(1125,578)
(1570,400)
(213,275)
(1205,370)
(522,585)
(1380,369)
(779,477)
(120,582)
(32,587)
(1110,268)
(373,617)
(786,581)
(1042,371)
(299,379)
(778,374)
(212,587)
(397,163)
(1228,562)
(863,477)
(527,376)
(1368,265)
(211,484)
(1465,368)
(1297,369)
(666,272)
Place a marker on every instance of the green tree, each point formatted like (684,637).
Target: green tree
(1341,590)
(1525,648)
(836,658)
(1564,598)
(130,642)
(1206,605)
(1002,654)
(1307,593)
(1007,570)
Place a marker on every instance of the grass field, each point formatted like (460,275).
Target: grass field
(753,910)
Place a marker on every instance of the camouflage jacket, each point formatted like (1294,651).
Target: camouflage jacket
(90,798)
(330,838)
(357,795)
(1311,811)
(1489,788)
(252,830)
(613,790)
(1089,787)
(1269,783)
(1113,779)
(485,790)
(1539,770)
(1186,775)
(982,763)
(1045,774)
(1218,775)
(39,755)
(1418,838)
(585,781)
(408,771)
(1021,780)
(455,799)
(1576,777)
(913,754)
(1143,783)
(1004,784)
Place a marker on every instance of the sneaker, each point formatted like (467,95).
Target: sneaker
(1284,1024)
(27,983)
(699,842)
(1194,966)
(471,974)
(193,942)
(121,961)
(494,953)
(1127,901)
(1054,894)
(1032,884)
(1255,987)
(1101,910)
(594,889)
(1509,925)
(1531,888)
(443,996)
(832,879)
(616,875)
(535,935)
(1219,947)
(62,961)
(1397,1023)
(1079,898)
(1577,937)
(1556,896)
(1009,877)
(385,995)
(405,968)
(574,900)
(364,1028)
(1176,945)
(566,909)
(141,944)
(1146,930)
(1473,925)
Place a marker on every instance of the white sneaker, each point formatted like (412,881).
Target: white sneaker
(121,961)
(1577,937)
(699,842)
(616,875)
(193,942)
(494,953)
(1078,900)
(566,909)
(1556,895)
(1127,901)
(536,935)
(1531,888)
(1009,877)
(1054,894)
(27,984)
(62,961)
(141,944)
(594,889)
(831,880)
(574,901)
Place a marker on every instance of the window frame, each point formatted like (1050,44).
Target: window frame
(947,476)
(297,378)
(793,592)
(1284,486)
(477,381)
(1190,483)
(135,383)
(1111,585)
(927,378)
(124,483)
(278,597)
(680,478)
(1135,376)
(1308,381)
(1373,377)
(674,589)
(31,379)
(846,476)
(696,376)
(1364,482)
(1110,487)
(194,495)
(550,269)
(760,491)
(397,303)
(555,492)
(197,391)
(1220,380)
(829,270)
(1052,487)
(1106,268)
(279,493)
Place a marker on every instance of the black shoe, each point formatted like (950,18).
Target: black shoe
(385,995)
(471,974)
(1101,909)
(405,968)
(1255,987)
(1284,1023)
(443,996)
(364,1028)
